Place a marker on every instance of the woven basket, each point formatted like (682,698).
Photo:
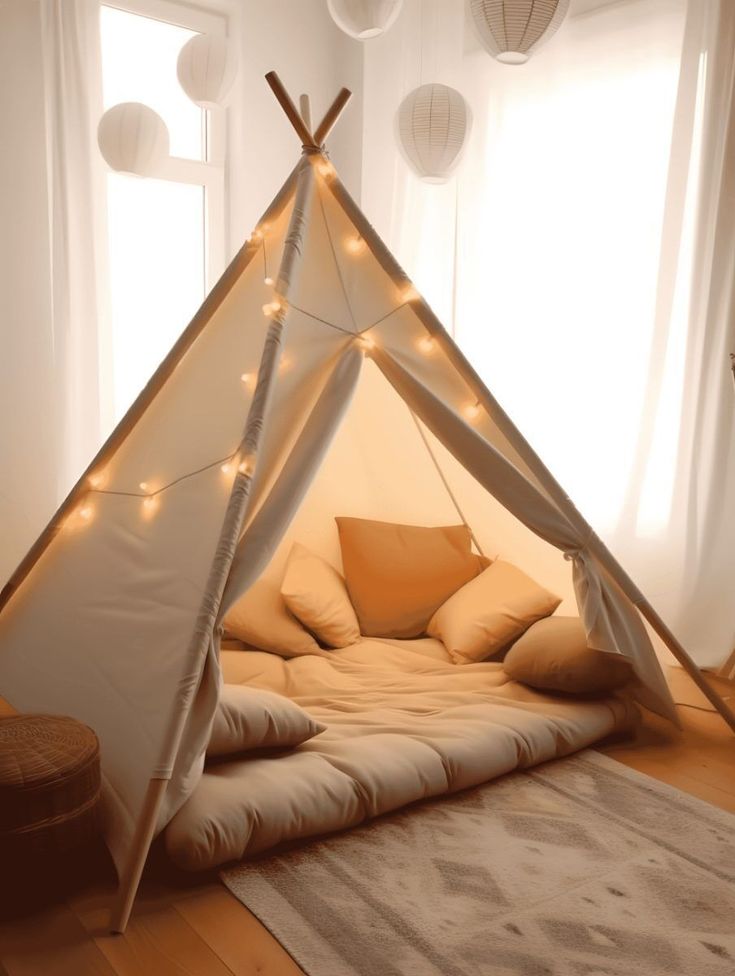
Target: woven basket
(49,785)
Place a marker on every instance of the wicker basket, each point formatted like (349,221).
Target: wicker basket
(49,785)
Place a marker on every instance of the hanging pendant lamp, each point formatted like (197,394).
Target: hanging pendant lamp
(132,138)
(206,69)
(363,19)
(510,30)
(433,123)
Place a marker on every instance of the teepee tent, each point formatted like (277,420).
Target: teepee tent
(113,617)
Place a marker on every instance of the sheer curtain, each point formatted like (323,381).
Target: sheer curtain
(583,258)
(78,240)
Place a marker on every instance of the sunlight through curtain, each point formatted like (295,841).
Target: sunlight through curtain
(574,257)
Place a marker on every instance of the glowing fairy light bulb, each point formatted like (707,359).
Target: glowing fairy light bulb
(367,343)
(85,513)
(272,308)
(226,468)
(325,168)
(143,486)
(96,479)
(247,465)
(151,504)
(248,380)
(268,281)
(427,344)
(257,235)
(472,410)
(285,364)
(355,245)
(409,294)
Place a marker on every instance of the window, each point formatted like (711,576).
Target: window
(165,232)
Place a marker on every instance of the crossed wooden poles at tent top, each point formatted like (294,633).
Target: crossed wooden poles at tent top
(301,121)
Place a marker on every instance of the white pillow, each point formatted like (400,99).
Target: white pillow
(316,593)
(252,718)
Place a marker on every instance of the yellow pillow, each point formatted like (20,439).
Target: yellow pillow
(316,594)
(553,656)
(398,575)
(260,618)
(489,612)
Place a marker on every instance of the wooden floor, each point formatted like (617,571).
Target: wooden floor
(201,930)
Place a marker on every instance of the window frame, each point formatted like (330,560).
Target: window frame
(210,172)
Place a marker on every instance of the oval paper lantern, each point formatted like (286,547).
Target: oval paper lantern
(132,138)
(364,19)
(433,124)
(206,68)
(511,30)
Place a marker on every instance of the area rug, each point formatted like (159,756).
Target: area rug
(580,867)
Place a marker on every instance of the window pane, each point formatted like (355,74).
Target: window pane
(157,278)
(139,65)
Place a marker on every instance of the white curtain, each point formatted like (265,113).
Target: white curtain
(583,256)
(78,240)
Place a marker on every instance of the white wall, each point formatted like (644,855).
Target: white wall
(300,41)
(28,486)
(295,37)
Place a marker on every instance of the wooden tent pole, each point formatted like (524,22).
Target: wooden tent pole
(292,113)
(231,527)
(305,109)
(145,829)
(332,114)
(561,499)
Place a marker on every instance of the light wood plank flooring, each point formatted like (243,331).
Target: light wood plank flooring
(201,930)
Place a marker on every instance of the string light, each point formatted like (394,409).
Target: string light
(325,168)
(150,506)
(97,479)
(366,342)
(355,245)
(427,344)
(226,468)
(86,512)
(257,235)
(409,294)
(247,465)
(472,410)
(272,308)
(248,380)
(143,486)
(268,281)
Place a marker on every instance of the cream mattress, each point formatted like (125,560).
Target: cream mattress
(403,724)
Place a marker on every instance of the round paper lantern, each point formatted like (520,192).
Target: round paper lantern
(206,68)
(132,138)
(363,19)
(511,30)
(433,124)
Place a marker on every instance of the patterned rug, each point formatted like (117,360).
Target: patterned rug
(581,867)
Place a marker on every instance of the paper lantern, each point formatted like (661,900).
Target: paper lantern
(363,19)
(132,138)
(206,68)
(510,30)
(433,123)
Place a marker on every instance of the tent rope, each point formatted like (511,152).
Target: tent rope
(334,255)
(444,481)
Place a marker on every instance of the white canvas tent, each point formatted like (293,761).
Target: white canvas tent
(113,616)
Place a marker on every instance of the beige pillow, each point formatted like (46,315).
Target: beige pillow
(261,618)
(489,612)
(252,718)
(316,594)
(398,575)
(553,656)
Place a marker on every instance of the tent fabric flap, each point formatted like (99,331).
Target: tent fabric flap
(611,622)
